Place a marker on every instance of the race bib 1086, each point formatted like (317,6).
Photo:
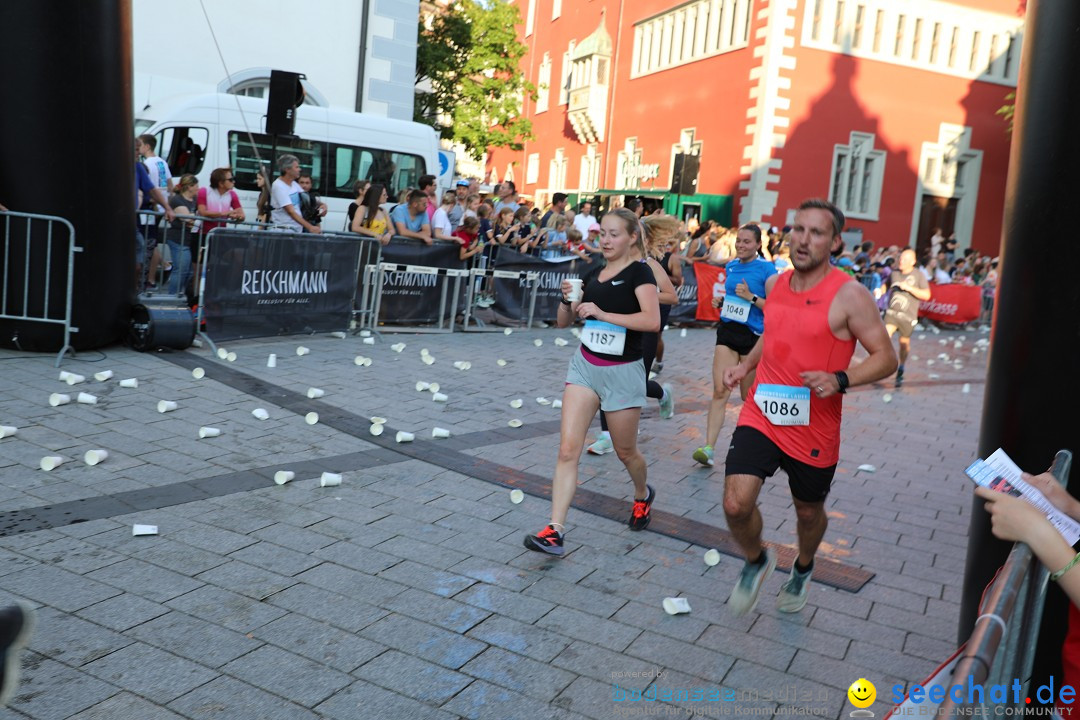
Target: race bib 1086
(735,309)
(602,337)
(784,404)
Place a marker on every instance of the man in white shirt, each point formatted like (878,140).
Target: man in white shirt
(507,198)
(285,197)
(584,219)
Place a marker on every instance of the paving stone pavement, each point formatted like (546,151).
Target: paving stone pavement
(405,592)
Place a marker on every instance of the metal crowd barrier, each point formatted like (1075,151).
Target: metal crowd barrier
(445,323)
(1001,648)
(24,312)
(529,280)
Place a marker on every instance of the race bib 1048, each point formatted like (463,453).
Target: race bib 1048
(784,404)
(735,309)
(602,337)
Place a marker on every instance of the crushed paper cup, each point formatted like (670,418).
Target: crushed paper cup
(421,386)
(196,342)
(433,387)
(712,557)
(866,468)
(222,353)
(329,479)
(301,351)
(500,362)
(428,360)
(283,476)
(561,342)
(51,462)
(103,375)
(340,335)
(165,406)
(538,342)
(439,397)
(208,432)
(376,429)
(516,496)
(315,392)
(676,606)
(93,457)
(57,399)
(515,423)
(140,530)
(929,363)
(404,437)
(542,401)
(423,352)
(886,398)
(365,333)
(440,432)
(942,341)
(966,388)
(312,418)
(463,365)
(378,420)
(261,414)
(397,347)
(231,357)
(507,331)
(576,332)
(8,431)
(198,373)
(957,345)
(516,403)
(361,361)
(129,383)
(369,341)
(556,404)
(87,399)
(271,360)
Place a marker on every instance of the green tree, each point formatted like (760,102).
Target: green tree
(1006,111)
(471,57)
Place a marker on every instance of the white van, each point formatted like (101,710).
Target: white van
(198,133)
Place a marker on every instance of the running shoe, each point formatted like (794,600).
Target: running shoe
(658,367)
(744,595)
(641,514)
(549,540)
(16,624)
(667,403)
(704,455)
(900,375)
(793,594)
(602,446)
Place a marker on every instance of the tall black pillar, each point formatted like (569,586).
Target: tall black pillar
(1033,383)
(67,149)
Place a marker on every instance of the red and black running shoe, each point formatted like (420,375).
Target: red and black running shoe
(549,540)
(640,515)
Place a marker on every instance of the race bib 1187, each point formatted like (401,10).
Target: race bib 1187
(602,337)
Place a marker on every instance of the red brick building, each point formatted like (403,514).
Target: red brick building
(886,107)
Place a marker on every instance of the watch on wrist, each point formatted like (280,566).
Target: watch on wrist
(753,299)
(842,381)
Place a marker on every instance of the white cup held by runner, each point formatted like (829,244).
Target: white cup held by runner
(575,290)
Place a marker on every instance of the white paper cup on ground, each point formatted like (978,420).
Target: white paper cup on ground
(8,431)
(421,386)
(208,432)
(363,333)
(87,399)
(165,406)
(329,479)
(515,423)
(260,414)
(542,401)
(129,383)
(140,530)
(576,332)
(271,360)
(507,331)
(73,379)
(556,404)
(682,333)
(439,397)
(866,468)
(222,353)
(397,347)
(196,342)
(575,290)
(500,362)
(440,432)
(377,420)
(51,462)
(404,437)
(312,418)
(339,335)
(103,375)
(676,606)
(198,373)
(538,342)
(283,476)
(434,387)
(231,357)
(94,457)
(359,360)
(886,398)
(712,557)
(57,399)
(369,341)
(376,429)
(516,403)
(561,342)
(428,360)
(966,388)
(301,351)
(516,496)
(315,392)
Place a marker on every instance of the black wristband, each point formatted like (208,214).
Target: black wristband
(842,381)
(566,302)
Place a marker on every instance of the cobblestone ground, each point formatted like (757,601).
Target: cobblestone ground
(405,592)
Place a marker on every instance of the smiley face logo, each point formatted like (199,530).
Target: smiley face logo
(862,693)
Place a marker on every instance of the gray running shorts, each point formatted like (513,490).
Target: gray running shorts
(618,386)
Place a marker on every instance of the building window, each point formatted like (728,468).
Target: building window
(543,84)
(860,16)
(935,39)
(530,18)
(899,36)
(878,25)
(557,171)
(974,62)
(556,9)
(838,26)
(693,31)
(952,46)
(589,179)
(815,30)
(916,38)
(532,169)
(564,78)
(858,171)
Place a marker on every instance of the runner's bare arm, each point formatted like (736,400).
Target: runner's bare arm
(864,323)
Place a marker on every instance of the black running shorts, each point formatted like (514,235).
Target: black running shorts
(736,336)
(752,453)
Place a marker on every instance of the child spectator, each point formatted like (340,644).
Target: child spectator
(468,235)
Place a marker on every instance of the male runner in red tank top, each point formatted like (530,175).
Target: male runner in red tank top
(791,417)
